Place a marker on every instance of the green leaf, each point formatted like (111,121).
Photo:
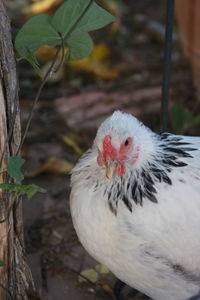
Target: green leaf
(32,189)
(182,119)
(177,119)
(80,46)
(35,33)
(13,168)
(2,263)
(32,59)
(68,13)
(95,18)
(79,41)
(29,190)
(195,121)
(43,30)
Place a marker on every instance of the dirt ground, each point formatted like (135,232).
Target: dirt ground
(64,125)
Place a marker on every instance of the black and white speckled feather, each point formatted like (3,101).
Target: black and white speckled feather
(139,184)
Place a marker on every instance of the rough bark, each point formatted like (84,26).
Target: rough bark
(15,277)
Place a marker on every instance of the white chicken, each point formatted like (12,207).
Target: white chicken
(135,205)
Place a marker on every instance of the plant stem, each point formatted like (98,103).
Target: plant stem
(44,80)
(62,56)
(77,21)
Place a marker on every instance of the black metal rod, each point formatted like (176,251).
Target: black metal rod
(167,64)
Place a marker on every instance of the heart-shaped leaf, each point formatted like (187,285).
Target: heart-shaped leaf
(80,46)
(14,168)
(35,33)
(68,14)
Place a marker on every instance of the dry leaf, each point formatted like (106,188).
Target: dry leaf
(93,274)
(54,239)
(70,142)
(107,288)
(97,63)
(54,165)
(101,52)
(39,7)
(101,269)
(91,290)
(90,274)
(46,53)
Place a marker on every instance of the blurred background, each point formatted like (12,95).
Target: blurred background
(123,72)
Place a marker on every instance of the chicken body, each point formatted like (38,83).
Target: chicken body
(143,223)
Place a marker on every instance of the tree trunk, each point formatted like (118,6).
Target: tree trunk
(15,277)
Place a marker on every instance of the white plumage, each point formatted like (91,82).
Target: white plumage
(142,218)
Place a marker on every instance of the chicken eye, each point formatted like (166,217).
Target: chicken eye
(126,143)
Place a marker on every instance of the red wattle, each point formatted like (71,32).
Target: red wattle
(121,169)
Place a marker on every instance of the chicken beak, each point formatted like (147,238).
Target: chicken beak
(111,168)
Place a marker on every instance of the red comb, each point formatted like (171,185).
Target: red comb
(108,150)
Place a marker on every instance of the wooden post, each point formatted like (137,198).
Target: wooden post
(188,16)
(15,277)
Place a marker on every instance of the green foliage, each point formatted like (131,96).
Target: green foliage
(13,168)
(68,14)
(2,263)
(182,119)
(68,26)
(80,45)
(14,171)
(29,189)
